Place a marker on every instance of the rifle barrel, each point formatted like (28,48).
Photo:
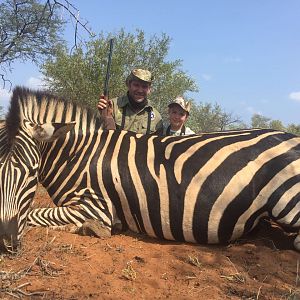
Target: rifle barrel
(106,84)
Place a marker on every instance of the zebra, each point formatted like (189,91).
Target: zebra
(209,188)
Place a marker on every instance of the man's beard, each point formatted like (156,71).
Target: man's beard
(137,105)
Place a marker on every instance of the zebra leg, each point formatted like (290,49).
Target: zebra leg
(90,227)
(94,228)
(74,219)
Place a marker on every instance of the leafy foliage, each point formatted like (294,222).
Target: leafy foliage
(259,121)
(293,128)
(81,75)
(206,117)
(28,30)
(32,30)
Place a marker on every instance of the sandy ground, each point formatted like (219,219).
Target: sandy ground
(61,265)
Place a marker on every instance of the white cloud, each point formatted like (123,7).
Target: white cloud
(32,82)
(295,96)
(251,110)
(206,77)
(36,82)
(5,98)
(5,94)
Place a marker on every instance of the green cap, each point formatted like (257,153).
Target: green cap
(140,74)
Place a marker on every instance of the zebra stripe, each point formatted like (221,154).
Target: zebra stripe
(208,188)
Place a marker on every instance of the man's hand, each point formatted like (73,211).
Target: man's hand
(102,103)
(105,106)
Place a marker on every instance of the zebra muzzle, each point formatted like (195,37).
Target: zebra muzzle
(9,236)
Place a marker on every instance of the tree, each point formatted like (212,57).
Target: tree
(259,121)
(32,30)
(277,125)
(28,31)
(81,75)
(293,128)
(206,117)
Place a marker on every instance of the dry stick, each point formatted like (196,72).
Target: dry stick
(258,293)
(297,276)
(238,276)
(198,291)
(44,267)
(16,292)
(11,294)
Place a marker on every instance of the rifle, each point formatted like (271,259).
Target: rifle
(106,113)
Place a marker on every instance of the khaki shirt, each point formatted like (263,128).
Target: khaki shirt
(135,121)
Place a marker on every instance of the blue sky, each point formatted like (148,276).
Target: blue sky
(244,55)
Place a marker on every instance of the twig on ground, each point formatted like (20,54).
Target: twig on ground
(236,277)
(258,293)
(17,292)
(297,274)
(194,261)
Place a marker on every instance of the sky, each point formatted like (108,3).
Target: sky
(243,55)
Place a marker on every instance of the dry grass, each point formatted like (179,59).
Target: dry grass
(129,273)
(39,267)
(194,261)
(236,276)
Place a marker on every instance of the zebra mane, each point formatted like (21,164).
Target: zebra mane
(40,107)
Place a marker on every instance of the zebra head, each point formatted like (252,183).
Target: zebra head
(21,142)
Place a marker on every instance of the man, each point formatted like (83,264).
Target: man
(133,111)
(178,112)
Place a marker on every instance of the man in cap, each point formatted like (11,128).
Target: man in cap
(178,112)
(133,111)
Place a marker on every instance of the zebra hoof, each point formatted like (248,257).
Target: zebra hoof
(94,228)
(297,242)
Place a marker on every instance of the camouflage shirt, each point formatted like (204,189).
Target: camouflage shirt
(128,119)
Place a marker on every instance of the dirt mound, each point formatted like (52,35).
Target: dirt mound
(60,265)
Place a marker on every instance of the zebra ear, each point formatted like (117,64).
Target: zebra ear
(49,132)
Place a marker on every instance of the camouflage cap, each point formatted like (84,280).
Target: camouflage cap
(140,74)
(185,105)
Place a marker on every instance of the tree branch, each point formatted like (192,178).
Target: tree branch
(75,16)
(31,30)
(5,81)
